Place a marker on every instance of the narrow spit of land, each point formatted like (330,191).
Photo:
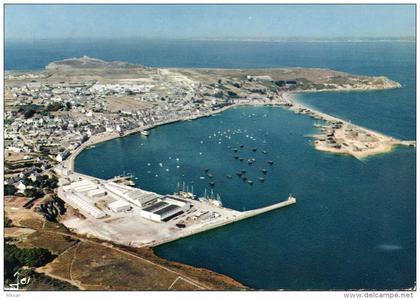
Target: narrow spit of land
(342,137)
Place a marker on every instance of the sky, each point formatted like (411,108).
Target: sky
(210,21)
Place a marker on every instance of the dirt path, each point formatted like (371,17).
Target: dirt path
(81,239)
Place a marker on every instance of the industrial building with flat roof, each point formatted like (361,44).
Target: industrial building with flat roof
(85,193)
(164,209)
(82,202)
(119,206)
(81,186)
(133,195)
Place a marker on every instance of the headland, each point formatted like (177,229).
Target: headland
(52,115)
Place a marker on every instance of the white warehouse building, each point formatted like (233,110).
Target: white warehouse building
(165,208)
(119,206)
(81,186)
(81,202)
(133,195)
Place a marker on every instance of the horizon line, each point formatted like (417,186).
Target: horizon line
(224,39)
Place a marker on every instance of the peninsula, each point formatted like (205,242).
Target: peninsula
(111,99)
(53,114)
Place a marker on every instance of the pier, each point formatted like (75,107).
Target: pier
(251,213)
(235,217)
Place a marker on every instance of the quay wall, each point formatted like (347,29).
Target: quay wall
(222,222)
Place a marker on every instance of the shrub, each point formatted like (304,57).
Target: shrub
(9,189)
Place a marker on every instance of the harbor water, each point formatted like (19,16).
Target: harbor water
(353,226)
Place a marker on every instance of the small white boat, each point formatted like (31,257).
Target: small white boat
(145,133)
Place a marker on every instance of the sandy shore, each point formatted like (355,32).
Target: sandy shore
(341,137)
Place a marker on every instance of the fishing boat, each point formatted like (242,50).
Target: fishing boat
(239,173)
(264,152)
(145,133)
(228,176)
(241,159)
(270,162)
(206,170)
(250,182)
(254,149)
(242,146)
(235,150)
(212,183)
(262,179)
(249,162)
(209,175)
(236,157)
(264,171)
(243,170)
(244,178)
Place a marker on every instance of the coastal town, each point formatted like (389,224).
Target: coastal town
(53,115)
(210,148)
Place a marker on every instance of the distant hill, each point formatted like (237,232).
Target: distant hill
(86,62)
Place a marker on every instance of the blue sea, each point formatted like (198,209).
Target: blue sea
(354,224)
